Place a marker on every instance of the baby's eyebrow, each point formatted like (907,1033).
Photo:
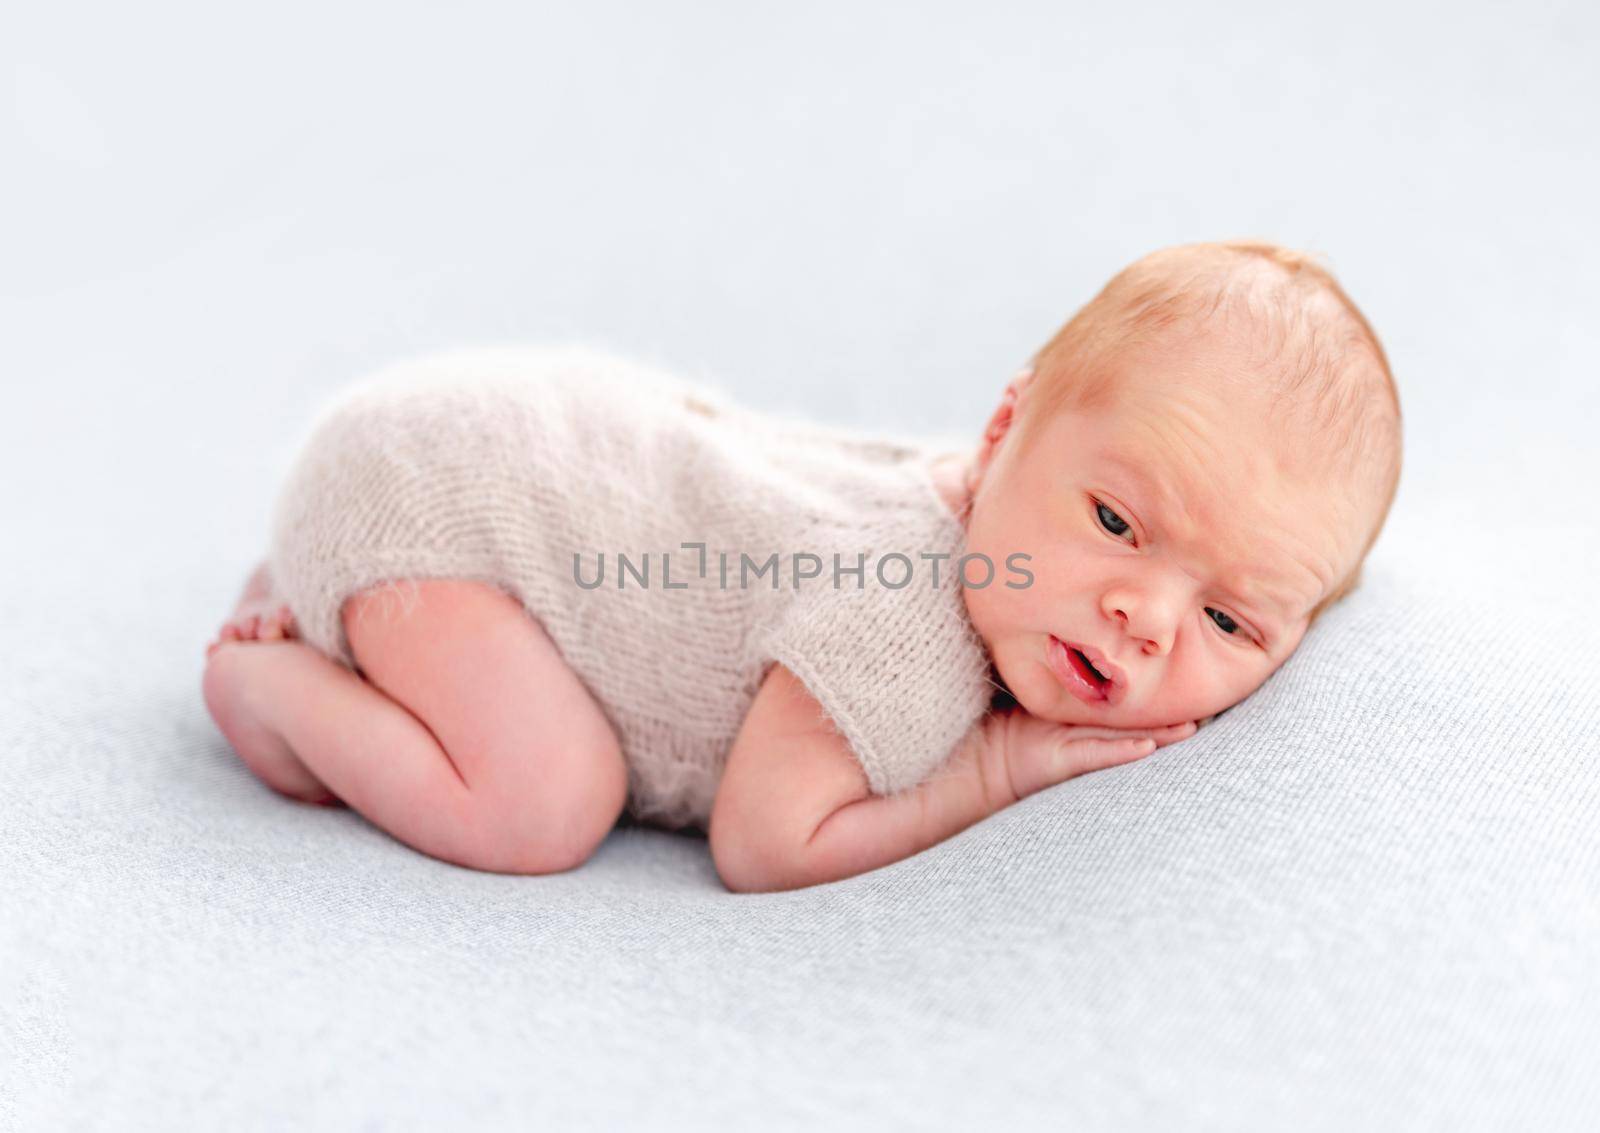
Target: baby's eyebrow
(1153,488)
(1260,600)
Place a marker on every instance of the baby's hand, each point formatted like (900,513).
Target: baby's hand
(1037,753)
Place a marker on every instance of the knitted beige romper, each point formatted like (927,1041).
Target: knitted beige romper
(535,468)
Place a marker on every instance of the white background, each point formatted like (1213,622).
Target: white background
(216,215)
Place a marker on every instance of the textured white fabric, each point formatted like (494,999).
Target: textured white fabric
(749,537)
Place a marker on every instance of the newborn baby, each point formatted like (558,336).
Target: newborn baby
(510,593)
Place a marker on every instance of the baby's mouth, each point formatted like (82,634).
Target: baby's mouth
(1087,664)
(1074,670)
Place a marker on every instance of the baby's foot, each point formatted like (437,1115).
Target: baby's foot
(256,620)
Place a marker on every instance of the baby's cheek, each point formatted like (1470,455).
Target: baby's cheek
(1199,686)
(1248,683)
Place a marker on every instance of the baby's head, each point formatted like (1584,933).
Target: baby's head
(1198,463)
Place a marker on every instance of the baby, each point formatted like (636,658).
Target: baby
(510,593)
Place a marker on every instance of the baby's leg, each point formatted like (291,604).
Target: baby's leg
(470,738)
(259,616)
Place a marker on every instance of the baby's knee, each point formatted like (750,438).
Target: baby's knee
(556,829)
(503,839)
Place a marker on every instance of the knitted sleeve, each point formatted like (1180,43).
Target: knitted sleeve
(900,673)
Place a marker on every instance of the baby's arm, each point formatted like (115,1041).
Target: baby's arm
(794,807)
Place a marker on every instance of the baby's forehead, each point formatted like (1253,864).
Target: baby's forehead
(1276,476)
(1306,406)
(1269,471)
(1221,399)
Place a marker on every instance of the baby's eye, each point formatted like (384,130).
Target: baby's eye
(1115,521)
(1225,622)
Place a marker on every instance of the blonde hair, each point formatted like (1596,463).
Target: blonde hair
(1330,366)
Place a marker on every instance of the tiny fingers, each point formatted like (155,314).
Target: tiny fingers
(1124,751)
(1049,754)
(1081,756)
(1172,733)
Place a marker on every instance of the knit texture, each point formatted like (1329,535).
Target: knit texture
(541,469)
